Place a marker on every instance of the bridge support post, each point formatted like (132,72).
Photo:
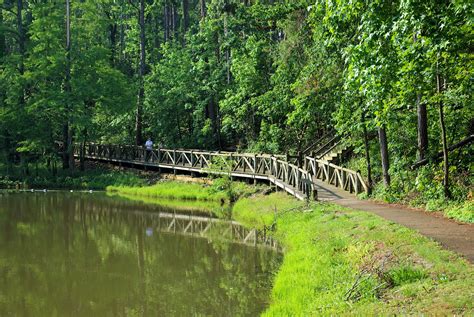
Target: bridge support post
(314,191)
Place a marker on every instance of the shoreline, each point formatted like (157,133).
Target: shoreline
(374,266)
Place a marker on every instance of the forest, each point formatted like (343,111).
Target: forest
(392,78)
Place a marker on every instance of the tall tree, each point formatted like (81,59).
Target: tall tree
(68,156)
(141,75)
(440,87)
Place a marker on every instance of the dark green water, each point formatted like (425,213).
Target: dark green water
(64,254)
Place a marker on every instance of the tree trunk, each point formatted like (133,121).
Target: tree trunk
(156,32)
(422,128)
(202,5)
(165,23)
(384,155)
(227,52)
(422,122)
(65,152)
(2,37)
(113,42)
(175,19)
(141,74)
(21,33)
(82,151)
(214,116)
(122,38)
(68,158)
(21,46)
(440,85)
(367,155)
(185,16)
(71,147)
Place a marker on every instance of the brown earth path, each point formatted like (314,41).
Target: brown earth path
(458,237)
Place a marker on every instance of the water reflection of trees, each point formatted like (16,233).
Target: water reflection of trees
(71,254)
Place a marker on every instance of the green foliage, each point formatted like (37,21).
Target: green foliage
(406,274)
(424,188)
(269,76)
(462,211)
(40,177)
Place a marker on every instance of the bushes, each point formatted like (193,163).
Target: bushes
(424,188)
(462,212)
(90,179)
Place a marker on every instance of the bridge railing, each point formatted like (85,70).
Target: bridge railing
(298,180)
(338,176)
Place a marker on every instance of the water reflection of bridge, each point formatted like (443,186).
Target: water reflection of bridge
(198,223)
(211,227)
(96,207)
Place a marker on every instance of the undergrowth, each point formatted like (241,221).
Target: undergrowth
(423,188)
(40,177)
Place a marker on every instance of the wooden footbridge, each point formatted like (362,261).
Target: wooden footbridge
(296,175)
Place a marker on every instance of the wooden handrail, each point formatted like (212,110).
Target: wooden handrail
(296,179)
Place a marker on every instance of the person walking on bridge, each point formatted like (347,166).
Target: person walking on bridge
(149,149)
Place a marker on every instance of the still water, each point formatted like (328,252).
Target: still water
(68,254)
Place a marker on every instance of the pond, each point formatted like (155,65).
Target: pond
(81,254)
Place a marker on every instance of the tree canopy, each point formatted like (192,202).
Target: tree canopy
(260,75)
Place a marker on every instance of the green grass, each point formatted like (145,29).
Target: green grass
(261,210)
(338,262)
(180,190)
(172,190)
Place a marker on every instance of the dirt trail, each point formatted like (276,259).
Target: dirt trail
(452,235)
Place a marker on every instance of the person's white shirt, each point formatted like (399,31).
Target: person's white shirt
(149,144)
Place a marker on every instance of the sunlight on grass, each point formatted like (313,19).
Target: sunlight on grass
(172,190)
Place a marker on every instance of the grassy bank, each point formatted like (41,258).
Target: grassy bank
(339,261)
(184,191)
